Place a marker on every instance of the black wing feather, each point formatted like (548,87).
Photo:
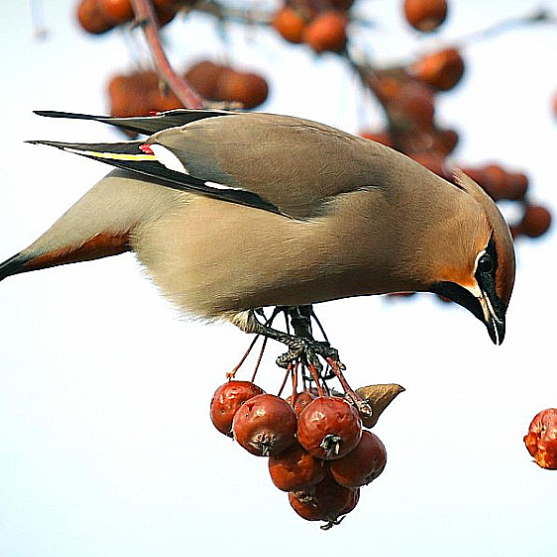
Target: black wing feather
(159,173)
(146,125)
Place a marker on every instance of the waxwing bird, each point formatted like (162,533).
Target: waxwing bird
(233,212)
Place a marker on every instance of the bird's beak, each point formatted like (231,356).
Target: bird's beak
(479,303)
(495,325)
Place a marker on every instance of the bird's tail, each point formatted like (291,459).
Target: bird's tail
(100,245)
(13,265)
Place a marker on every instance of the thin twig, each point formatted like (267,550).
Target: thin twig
(146,18)
(231,374)
(288,370)
(540,15)
(259,359)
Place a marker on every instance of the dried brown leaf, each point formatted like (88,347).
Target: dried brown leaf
(378,397)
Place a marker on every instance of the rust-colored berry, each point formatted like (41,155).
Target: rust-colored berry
(425,15)
(541,440)
(248,89)
(265,425)
(328,501)
(329,428)
(116,11)
(327,32)
(92,19)
(536,221)
(301,400)
(290,24)
(294,469)
(441,70)
(227,400)
(361,465)
(203,77)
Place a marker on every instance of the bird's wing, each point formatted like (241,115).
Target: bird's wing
(128,155)
(277,163)
(146,125)
(297,165)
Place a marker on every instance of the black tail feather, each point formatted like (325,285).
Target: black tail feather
(13,265)
(146,125)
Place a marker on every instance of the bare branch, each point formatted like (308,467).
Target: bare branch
(146,18)
(540,15)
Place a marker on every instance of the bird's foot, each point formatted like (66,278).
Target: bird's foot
(308,351)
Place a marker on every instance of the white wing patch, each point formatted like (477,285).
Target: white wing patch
(167,158)
(218,186)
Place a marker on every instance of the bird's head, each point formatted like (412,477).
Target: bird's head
(477,269)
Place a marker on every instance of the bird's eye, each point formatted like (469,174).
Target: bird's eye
(485,264)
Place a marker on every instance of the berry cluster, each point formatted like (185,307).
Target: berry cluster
(408,95)
(541,440)
(100,16)
(322,28)
(317,450)
(220,83)
(141,92)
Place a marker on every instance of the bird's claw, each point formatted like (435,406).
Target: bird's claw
(308,350)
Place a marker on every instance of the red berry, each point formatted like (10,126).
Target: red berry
(442,70)
(327,32)
(92,19)
(227,400)
(265,425)
(425,15)
(329,428)
(249,89)
(536,221)
(165,15)
(290,24)
(541,440)
(116,11)
(518,185)
(294,469)
(301,401)
(328,501)
(362,465)
(445,141)
(203,77)
(304,504)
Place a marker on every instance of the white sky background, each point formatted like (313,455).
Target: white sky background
(106,447)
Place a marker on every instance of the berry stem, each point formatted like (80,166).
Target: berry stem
(316,378)
(362,405)
(288,370)
(295,382)
(231,374)
(263,346)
